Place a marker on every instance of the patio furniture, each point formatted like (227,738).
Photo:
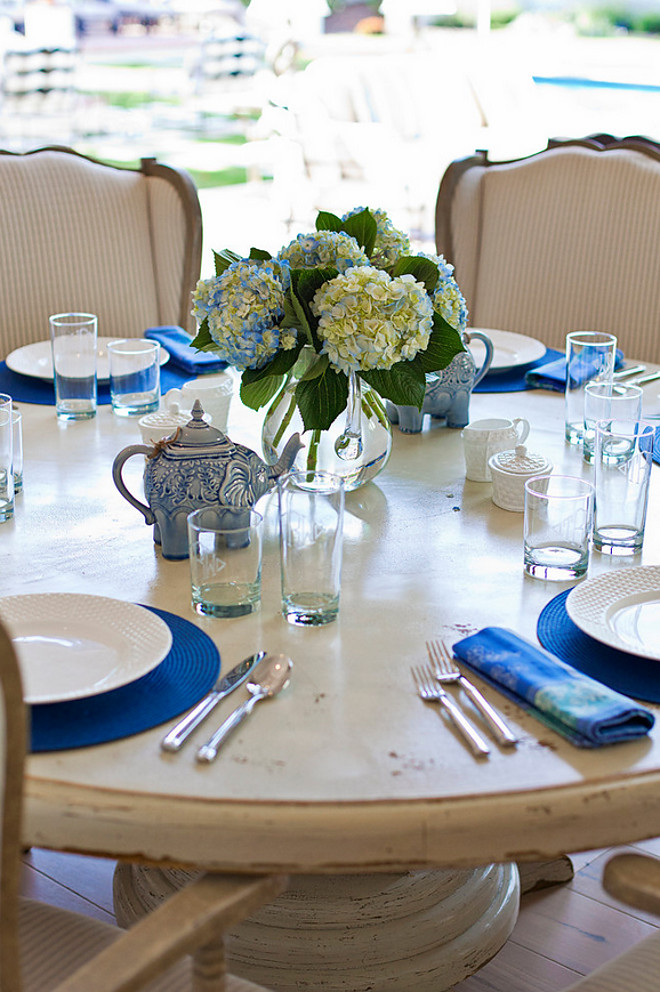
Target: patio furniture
(45,949)
(562,240)
(82,235)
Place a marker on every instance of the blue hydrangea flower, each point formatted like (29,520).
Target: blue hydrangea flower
(243,307)
(447,297)
(323,249)
(368,320)
(390,244)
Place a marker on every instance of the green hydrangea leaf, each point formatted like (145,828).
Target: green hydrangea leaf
(257,393)
(279,365)
(326,221)
(322,399)
(421,268)
(363,228)
(316,369)
(203,340)
(223,259)
(304,284)
(404,383)
(260,255)
(444,343)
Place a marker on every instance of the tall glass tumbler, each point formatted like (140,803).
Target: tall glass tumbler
(624,453)
(605,401)
(311,513)
(74,346)
(558,526)
(590,357)
(6,458)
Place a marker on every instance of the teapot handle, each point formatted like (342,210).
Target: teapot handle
(118,464)
(488,344)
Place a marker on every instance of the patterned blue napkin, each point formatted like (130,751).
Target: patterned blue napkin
(585,711)
(656,446)
(553,374)
(177,341)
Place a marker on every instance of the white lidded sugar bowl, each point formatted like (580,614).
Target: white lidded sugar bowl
(510,470)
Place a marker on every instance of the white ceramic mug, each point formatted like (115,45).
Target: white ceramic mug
(483,438)
(214,392)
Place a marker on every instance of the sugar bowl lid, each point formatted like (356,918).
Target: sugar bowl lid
(519,461)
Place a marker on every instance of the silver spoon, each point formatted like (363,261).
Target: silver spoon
(273,675)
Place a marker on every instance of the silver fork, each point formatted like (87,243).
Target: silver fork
(446,670)
(431,692)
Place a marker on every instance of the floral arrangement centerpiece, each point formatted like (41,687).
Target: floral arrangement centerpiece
(344,306)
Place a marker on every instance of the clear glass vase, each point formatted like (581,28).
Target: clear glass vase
(356,446)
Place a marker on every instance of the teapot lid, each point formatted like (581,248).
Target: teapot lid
(197,431)
(518,461)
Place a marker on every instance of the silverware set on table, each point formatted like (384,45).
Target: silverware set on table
(443,670)
(271,677)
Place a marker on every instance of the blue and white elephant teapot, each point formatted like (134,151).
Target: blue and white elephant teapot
(195,467)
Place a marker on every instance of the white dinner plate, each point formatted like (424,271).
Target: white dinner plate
(510,350)
(72,646)
(36,359)
(621,609)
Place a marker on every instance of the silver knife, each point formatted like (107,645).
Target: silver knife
(225,684)
(649,377)
(631,370)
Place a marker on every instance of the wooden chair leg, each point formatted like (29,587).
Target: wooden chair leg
(209,971)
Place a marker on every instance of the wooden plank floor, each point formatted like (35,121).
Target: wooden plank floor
(562,932)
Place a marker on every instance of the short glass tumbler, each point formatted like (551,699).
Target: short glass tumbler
(624,453)
(558,525)
(602,401)
(311,513)
(590,357)
(6,458)
(225,547)
(134,376)
(73,339)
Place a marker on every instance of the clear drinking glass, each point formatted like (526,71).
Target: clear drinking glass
(558,524)
(134,376)
(590,357)
(225,547)
(6,458)
(17,423)
(602,401)
(624,454)
(74,346)
(311,511)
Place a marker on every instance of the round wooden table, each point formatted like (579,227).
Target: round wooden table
(402,843)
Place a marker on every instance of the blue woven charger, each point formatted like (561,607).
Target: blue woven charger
(29,389)
(627,673)
(186,674)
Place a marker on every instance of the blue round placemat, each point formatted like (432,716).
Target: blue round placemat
(30,389)
(186,674)
(627,673)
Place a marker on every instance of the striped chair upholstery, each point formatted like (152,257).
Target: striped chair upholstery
(567,239)
(47,949)
(79,235)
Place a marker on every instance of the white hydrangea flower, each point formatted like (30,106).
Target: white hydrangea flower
(323,249)
(447,297)
(391,243)
(368,320)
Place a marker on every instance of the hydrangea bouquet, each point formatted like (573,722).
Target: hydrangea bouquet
(352,295)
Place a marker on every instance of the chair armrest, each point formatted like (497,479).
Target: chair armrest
(192,918)
(635,880)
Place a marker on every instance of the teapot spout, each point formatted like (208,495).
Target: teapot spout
(287,458)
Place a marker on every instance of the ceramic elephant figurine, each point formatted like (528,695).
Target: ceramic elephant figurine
(447,391)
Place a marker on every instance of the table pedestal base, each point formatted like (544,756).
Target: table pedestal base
(423,931)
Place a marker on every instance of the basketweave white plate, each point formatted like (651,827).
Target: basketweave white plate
(620,608)
(36,359)
(72,646)
(510,350)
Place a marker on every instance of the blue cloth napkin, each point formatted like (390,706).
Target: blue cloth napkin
(579,708)
(513,380)
(177,341)
(553,374)
(656,446)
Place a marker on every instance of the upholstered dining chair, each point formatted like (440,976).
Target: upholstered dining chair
(44,949)
(564,239)
(81,235)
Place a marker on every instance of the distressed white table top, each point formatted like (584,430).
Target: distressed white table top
(347,770)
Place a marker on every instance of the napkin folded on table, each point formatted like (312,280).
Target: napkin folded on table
(585,711)
(177,342)
(553,374)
